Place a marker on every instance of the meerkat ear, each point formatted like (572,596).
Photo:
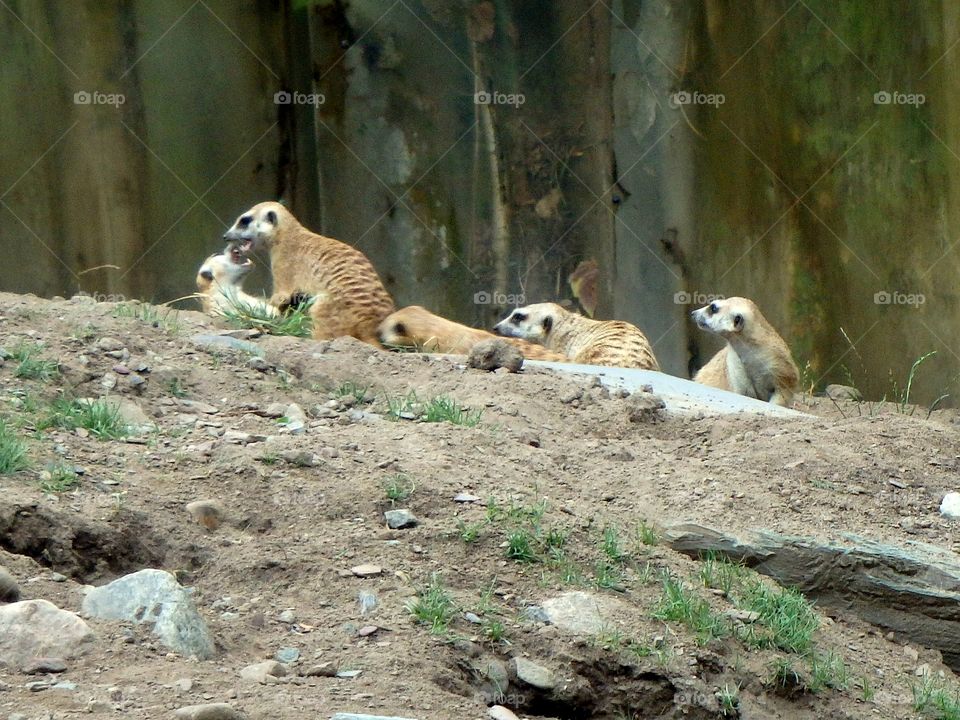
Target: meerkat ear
(547,324)
(206,274)
(271,217)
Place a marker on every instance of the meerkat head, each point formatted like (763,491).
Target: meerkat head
(407,327)
(729,318)
(533,322)
(226,269)
(257,228)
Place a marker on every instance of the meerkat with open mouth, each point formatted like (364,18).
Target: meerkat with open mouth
(220,285)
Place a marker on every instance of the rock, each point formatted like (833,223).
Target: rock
(366,570)
(530,438)
(493,354)
(287,616)
(360,716)
(368,601)
(208,513)
(64,685)
(529,673)
(644,408)
(109,344)
(183,685)
(275,410)
(744,616)
(296,419)
(258,363)
(949,507)
(367,630)
(398,519)
(842,392)
(9,590)
(571,394)
(210,711)
(325,669)
(38,628)
(237,437)
(499,712)
(217,343)
(132,415)
(287,655)
(465,498)
(40,665)
(349,674)
(912,590)
(300,458)
(200,407)
(263,672)
(154,596)
(472,618)
(581,613)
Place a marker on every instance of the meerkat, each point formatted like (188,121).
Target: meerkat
(220,285)
(417,327)
(581,339)
(756,362)
(348,296)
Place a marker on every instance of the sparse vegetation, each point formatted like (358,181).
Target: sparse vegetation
(827,670)
(440,408)
(787,619)
(175,387)
(294,321)
(13,451)
(100,417)
(59,478)
(935,700)
(29,366)
(682,604)
(434,606)
(398,488)
(164,318)
(729,699)
(646,534)
(354,390)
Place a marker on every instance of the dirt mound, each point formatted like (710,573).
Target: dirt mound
(522,487)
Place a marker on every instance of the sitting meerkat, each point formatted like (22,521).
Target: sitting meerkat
(349,298)
(418,328)
(220,285)
(756,362)
(581,339)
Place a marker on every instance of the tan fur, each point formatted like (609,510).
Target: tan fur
(756,362)
(416,327)
(583,340)
(220,285)
(349,298)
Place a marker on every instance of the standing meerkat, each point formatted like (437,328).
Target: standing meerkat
(756,362)
(349,298)
(220,285)
(417,327)
(580,339)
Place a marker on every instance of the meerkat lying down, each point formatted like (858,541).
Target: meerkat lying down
(348,297)
(417,328)
(582,340)
(756,362)
(220,285)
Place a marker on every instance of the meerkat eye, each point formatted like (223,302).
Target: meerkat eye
(400,329)
(272,217)
(714,308)
(738,321)
(245,221)
(547,324)
(518,317)
(206,274)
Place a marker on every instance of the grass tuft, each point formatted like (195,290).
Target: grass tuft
(101,418)
(29,367)
(13,451)
(434,606)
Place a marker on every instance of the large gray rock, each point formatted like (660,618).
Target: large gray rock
(581,613)
(530,673)
(210,711)
(912,590)
(154,596)
(38,628)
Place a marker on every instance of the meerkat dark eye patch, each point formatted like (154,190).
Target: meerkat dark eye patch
(738,322)
(206,274)
(400,329)
(517,318)
(245,221)
(547,324)
(714,308)
(272,217)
